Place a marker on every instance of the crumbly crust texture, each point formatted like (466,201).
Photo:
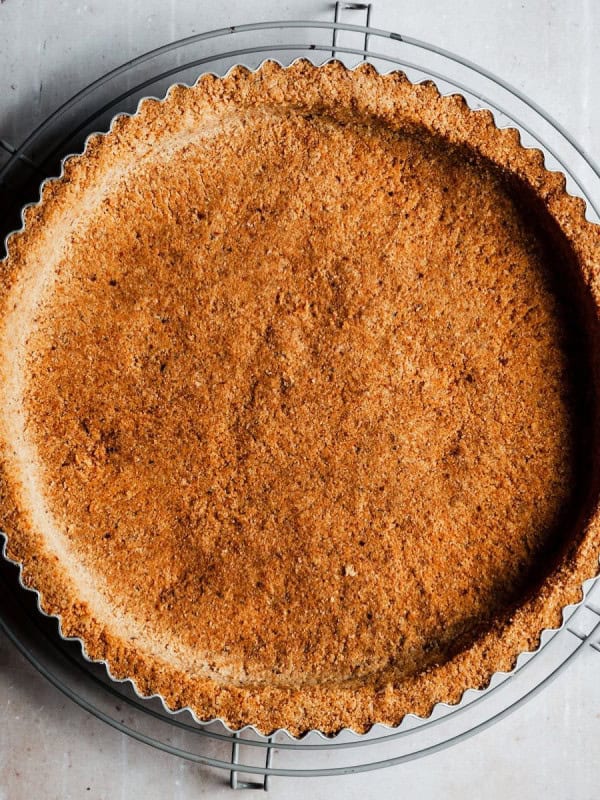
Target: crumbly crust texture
(294,408)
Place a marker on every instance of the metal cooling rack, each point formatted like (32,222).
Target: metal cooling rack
(39,156)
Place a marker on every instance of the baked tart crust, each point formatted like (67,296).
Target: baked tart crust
(298,398)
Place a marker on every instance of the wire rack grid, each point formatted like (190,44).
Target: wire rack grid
(40,155)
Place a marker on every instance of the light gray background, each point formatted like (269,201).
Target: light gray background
(49,748)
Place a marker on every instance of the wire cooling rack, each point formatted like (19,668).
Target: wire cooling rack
(21,170)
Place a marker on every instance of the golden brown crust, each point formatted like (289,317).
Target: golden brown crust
(485,532)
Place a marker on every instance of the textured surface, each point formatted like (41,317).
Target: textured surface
(557,701)
(215,359)
(278,376)
(276,356)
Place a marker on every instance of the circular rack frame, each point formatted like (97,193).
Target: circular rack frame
(37,636)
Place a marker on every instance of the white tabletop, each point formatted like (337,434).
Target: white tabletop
(50,748)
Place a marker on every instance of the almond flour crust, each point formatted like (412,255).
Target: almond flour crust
(299,420)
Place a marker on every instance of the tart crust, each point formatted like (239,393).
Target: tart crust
(215,576)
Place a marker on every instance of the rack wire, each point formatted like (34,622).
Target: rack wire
(37,637)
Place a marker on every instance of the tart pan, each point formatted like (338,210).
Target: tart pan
(269,708)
